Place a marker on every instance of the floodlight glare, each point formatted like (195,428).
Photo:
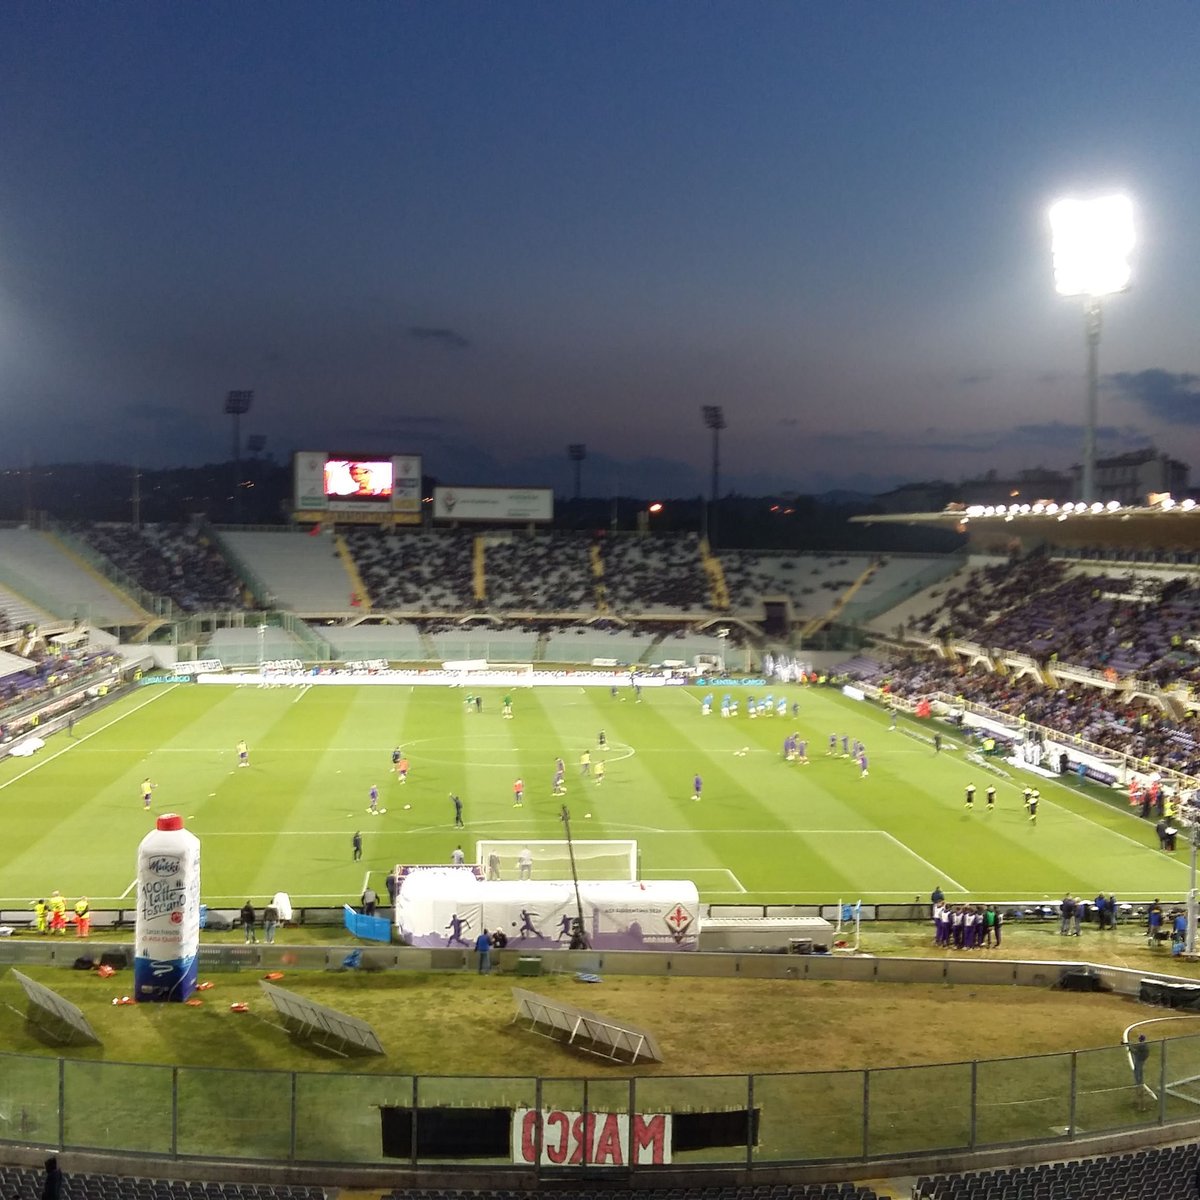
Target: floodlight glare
(1091,241)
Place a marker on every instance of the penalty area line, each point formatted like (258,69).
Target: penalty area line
(129,889)
(909,850)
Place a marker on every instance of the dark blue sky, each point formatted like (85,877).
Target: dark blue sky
(480,231)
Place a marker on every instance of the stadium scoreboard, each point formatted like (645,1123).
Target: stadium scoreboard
(356,488)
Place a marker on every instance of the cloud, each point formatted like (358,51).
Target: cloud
(450,338)
(1050,436)
(1171,396)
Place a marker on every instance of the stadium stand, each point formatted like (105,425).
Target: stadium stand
(16,612)
(1168,1173)
(242,647)
(655,575)
(539,572)
(39,568)
(600,640)
(415,572)
(25,1183)
(597,1191)
(174,560)
(397,643)
(300,573)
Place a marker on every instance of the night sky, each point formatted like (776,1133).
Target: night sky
(480,231)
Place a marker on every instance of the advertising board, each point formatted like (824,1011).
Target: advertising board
(493,504)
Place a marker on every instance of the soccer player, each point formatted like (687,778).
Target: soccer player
(585,763)
(458,821)
(457,857)
(243,753)
(560,776)
(862,763)
(397,755)
(602,741)
(493,865)
(970,796)
(697,787)
(801,749)
(706,705)
(991,797)
(525,863)
(892,716)
(518,793)
(751,707)
(470,701)
(147,791)
(725,703)
(478,704)
(402,769)
(373,807)
(1033,803)
(832,744)
(937,743)
(1028,795)
(599,775)
(845,746)
(507,709)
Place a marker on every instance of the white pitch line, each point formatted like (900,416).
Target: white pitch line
(366,879)
(307,687)
(908,850)
(79,741)
(128,889)
(675,872)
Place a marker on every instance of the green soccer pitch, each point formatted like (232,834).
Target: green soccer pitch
(764,830)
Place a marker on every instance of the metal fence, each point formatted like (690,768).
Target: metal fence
(826,1117)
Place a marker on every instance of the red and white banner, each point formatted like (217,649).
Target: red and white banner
(596,1139)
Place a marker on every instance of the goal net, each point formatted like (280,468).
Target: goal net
(615,859)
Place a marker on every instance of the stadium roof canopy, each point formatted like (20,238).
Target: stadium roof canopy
(1163,525)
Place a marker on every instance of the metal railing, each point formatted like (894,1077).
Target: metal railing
(279,1117)
(851,1117)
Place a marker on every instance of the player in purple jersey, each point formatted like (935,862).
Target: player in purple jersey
(697,787)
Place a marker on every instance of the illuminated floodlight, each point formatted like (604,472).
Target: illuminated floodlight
(1039,507)
(1026,508)
(1113,505)
(1052,508)
(1188,505)
(1091,241)
(1062,516)
(976,510)
(1097,507)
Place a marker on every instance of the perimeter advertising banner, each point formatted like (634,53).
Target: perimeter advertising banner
(493,504)
(357,487)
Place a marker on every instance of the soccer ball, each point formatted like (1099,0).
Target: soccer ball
(407,807)
(587,816)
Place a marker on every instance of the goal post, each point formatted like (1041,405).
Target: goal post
(606,859)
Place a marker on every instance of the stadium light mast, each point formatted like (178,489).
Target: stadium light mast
(237,404)
(1091,241)
(577,452)
(714,419)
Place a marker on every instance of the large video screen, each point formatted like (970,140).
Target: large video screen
(358,479)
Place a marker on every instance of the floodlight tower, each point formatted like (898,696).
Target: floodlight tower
(577,452)
(1091,241)
(714,419)
(237,404)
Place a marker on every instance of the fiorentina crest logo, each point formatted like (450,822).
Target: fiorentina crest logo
(679,921)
